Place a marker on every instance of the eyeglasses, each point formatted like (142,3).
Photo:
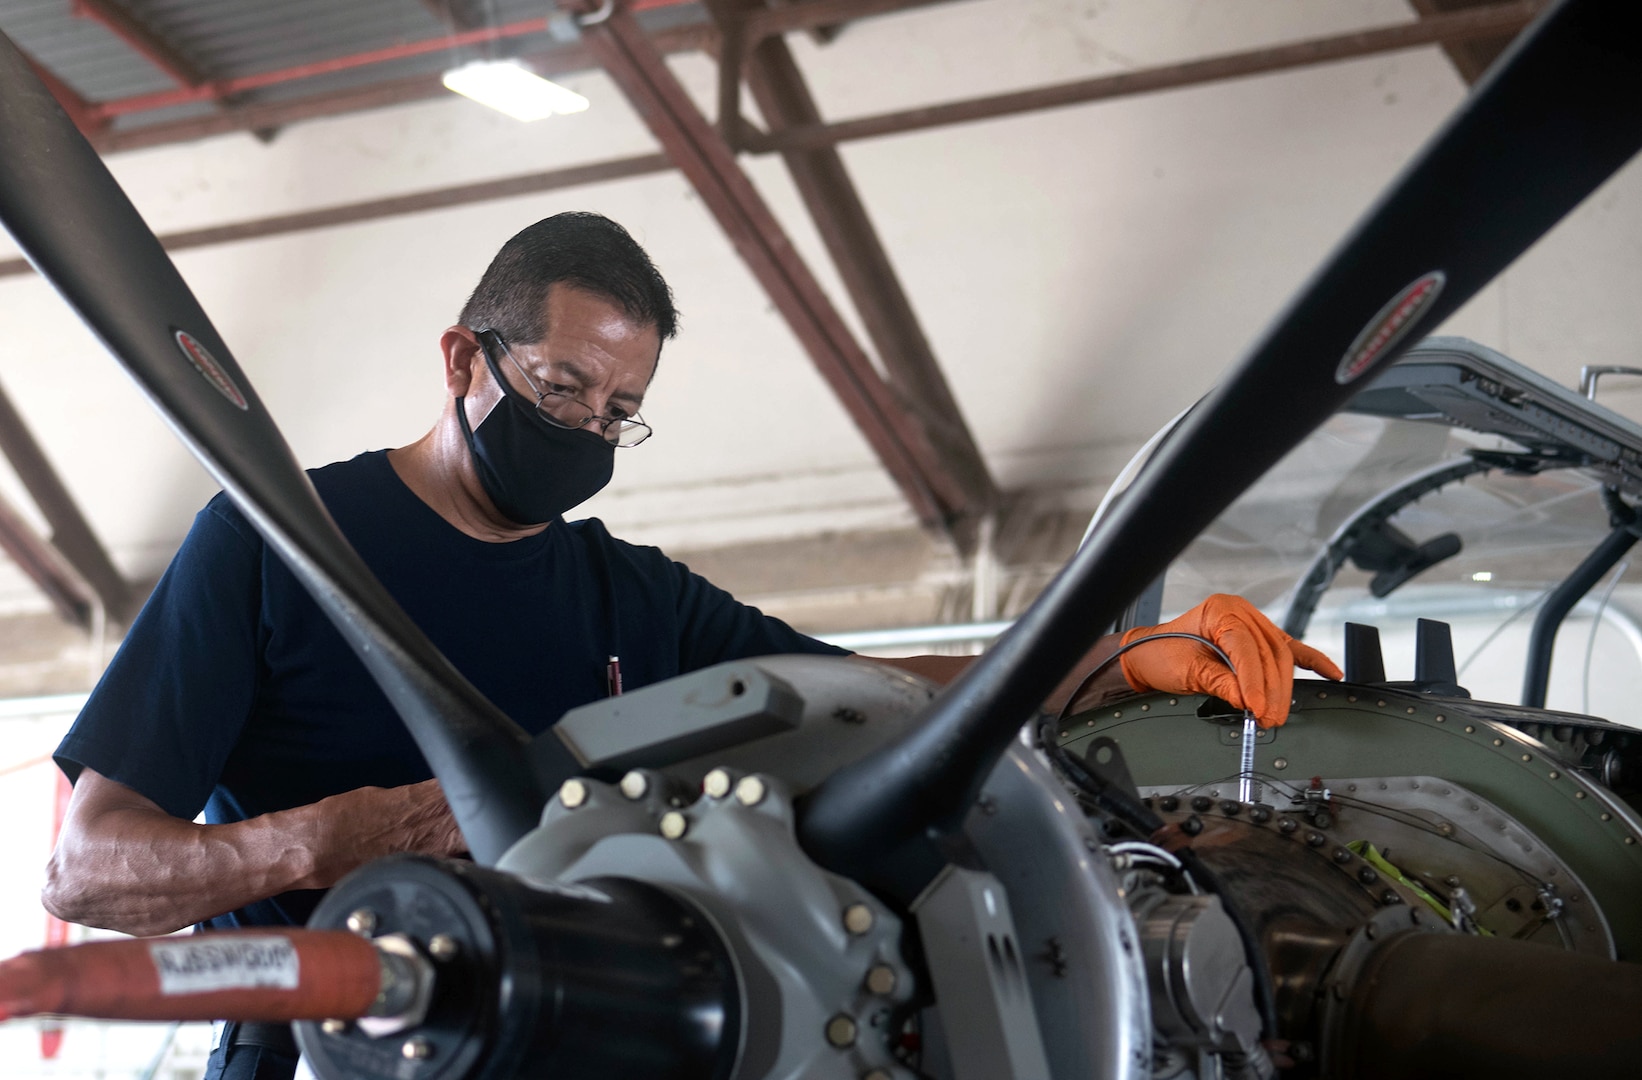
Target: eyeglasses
(560,408)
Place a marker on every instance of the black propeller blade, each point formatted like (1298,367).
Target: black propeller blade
(1558,115)
(81,232)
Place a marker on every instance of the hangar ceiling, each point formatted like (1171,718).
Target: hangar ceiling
(164,84)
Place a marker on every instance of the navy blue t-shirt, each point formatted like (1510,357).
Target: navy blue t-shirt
(234,693)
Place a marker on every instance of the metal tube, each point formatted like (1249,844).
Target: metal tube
(1536,675)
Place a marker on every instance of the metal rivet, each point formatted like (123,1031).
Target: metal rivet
(1630,839)
(1410,710)
(716,784)
(1169,802)
(1200,803)
(1390,897)
(572,793)
(841,1031)
(1342,856)
(1470,729)
(1231,807)
(1145,708)
(1174,701)
(1446,829)
(1088,723)
(1117,714)
(1527,757)
(1607,817)
(1555,775)
(416,1049)
(1441,718)
(334,1027)
(635,785)
(1381,703)
(1367,875)
(881,979)
(443,947)
(362,922)
(1063,734)
(1322,695)
(858,919)
(1287,824)
(1260,815)
(674,825)
(1316,839)
(1351,697)
(1579,794)
(750,791)
(1280,763)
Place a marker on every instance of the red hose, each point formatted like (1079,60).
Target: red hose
(229,975)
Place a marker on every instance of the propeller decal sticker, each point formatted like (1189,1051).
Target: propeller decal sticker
(1389,326)
(207,365)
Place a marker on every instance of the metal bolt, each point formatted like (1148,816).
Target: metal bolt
(1342,856)
(1316,839)
(1367,875)
(674,825)
(334,1027)
(1287,825)
(417,1049)
(1260,815)
(1390,897)
(716,784)
(1446,829)
(1169,802)
(857,920)
(635,785)
(1280,763)
(1231,807)
(362,922)
(881,979)
(1192,825)
(841,1031)
(443,947)
(1201,803)
(750,791)
(572,793)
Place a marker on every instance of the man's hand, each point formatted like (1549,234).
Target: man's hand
(1263,658)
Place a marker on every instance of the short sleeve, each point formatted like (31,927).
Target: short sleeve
(168,710)
(714,626)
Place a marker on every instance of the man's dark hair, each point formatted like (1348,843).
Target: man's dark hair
(586,250)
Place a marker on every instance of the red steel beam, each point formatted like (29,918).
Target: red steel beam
(119,22)
(1501,18)
(842,221)
(892,431)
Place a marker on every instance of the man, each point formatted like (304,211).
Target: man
(233,693)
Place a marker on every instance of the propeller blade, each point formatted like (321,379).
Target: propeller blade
(80,231)
(1558,115)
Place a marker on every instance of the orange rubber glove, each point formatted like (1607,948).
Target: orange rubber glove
(1264,658)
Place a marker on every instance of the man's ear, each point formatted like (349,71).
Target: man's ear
(461,349)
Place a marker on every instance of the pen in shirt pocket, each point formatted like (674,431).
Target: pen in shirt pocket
(612,676)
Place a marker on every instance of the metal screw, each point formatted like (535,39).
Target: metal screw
(416,1049)
(881,979)
(841,1031)
(334,1027)
(674,825)
(750,791)
(443,947)
(1280,763)
(572,793)
(857,920)
(362,922)
(716,784)
(635,785)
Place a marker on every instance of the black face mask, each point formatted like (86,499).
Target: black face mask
(532,470)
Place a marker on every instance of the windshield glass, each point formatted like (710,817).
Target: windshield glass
(1517,536)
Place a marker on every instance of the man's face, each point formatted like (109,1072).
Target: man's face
(593,352)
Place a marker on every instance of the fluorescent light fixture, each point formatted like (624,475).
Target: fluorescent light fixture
(1482,575)
(509,87)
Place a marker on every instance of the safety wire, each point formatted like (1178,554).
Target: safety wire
(1139,817)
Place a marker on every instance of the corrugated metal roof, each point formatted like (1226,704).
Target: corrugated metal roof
(224,39)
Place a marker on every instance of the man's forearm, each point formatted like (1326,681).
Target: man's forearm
(140,871)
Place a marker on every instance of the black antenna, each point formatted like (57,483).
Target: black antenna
(1558,115)
(81,232)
